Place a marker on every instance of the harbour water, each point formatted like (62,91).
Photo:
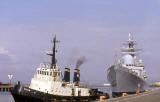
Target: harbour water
(6,97)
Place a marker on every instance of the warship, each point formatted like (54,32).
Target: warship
(128,74)
(49,85)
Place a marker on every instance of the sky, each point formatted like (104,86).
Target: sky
(90,28)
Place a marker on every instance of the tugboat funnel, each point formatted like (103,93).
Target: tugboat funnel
(76,78)
(66,75)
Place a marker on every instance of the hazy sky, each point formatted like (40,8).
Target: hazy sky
(90,28)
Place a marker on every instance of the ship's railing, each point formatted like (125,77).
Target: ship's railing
(45,65)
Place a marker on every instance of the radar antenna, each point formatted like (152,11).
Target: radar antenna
(131,42)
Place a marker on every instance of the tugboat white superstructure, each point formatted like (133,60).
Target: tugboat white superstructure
(49,85)
(128,74)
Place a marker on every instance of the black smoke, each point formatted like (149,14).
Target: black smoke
(80,61)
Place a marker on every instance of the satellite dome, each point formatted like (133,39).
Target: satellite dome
(128,60)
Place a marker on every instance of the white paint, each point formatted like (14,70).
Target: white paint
(128,59)
(49,81)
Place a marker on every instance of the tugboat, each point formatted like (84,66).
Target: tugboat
(128,75)
(48,85)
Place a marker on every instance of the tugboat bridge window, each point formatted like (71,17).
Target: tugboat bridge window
(55,73)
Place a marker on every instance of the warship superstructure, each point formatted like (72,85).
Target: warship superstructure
(128,74)
(48,85)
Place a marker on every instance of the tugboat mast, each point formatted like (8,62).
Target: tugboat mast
(54,53)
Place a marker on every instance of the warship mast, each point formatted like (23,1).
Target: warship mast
(130,49)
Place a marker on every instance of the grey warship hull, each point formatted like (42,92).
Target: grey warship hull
(124,80)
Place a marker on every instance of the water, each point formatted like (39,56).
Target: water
(6,97)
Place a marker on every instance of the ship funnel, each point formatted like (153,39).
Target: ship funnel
(66,75)
(76,78)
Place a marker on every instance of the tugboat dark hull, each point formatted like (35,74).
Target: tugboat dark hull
(25,94)
(22,98)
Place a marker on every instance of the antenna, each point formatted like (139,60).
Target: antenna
(129,36)
(115,56)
